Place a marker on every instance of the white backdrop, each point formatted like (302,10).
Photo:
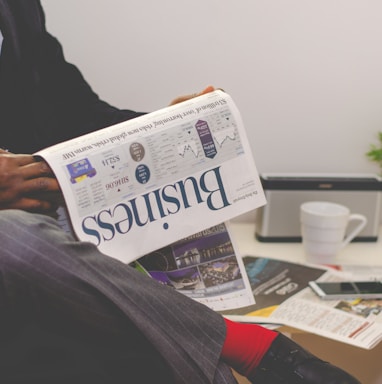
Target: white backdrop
(305,74)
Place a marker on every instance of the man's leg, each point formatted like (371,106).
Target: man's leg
(72,289)
(71,284)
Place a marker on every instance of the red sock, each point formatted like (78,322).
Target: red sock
(245,345)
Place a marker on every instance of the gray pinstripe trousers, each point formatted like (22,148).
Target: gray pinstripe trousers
(72,289)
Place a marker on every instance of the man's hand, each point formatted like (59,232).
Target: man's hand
(179,99)
(27,184)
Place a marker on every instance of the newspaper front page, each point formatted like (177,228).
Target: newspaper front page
(282,296)
(145,183)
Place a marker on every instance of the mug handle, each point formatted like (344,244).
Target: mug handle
(362,223)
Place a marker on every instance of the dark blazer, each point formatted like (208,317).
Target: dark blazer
(43,98)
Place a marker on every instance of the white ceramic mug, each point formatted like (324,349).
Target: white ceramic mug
(323,229)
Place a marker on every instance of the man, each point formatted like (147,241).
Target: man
(69,314)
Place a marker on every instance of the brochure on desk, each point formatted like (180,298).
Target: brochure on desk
(282,296)
(145,183)
(205,266)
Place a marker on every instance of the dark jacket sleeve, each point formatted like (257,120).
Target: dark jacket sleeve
(43,98)
(65,95)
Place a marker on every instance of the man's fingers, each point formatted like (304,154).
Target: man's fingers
(208,89)
(31,205)
(40,184)
(19,159)
(35,170)
(37,166)
(180,99)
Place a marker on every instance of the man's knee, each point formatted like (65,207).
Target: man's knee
(9,217)
(26,239)
(14,223)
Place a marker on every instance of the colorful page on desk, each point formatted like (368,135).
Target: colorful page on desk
(205,267)
(272,282)
(283,297)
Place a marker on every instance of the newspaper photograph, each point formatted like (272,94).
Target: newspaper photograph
(282,296)
(205,267)
(145,183)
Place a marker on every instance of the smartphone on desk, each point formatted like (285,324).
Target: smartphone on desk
(347,290)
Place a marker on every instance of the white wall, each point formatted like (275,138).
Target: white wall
(306,74)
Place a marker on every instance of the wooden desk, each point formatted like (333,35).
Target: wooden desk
(364,364)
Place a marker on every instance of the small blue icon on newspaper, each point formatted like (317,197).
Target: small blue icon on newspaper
(142,173)
(80,170)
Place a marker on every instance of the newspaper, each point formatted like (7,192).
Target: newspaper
(145,183)
(282,296)
(205,267)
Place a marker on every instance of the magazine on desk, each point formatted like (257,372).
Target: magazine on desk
(282,296)
(145,183)
(205,266)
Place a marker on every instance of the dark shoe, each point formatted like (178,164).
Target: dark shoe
(287,363)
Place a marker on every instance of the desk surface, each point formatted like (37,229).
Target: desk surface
(361,253)
(369,371)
